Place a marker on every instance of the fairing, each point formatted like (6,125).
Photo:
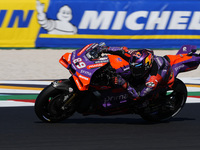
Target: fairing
(82,68)
(183,61)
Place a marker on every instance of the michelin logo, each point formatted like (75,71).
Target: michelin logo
(60,26)
(117,20)
(153,20)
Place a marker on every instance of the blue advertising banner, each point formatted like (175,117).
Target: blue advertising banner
(131,23)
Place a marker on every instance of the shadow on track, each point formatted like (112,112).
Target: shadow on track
(131,121)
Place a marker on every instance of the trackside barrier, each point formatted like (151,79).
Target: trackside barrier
(75,23)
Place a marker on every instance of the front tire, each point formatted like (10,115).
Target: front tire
(178,97)
(50,105)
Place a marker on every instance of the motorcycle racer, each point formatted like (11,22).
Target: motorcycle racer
(90,88)
(144,73)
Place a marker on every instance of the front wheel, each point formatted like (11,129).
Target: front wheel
(176,98)
(53,105)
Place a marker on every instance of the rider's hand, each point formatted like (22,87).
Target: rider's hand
(104,49)
(125,48)
(133,93)
(118,80)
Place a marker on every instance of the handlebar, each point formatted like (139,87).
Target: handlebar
(95,52)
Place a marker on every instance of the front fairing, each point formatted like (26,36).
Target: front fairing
(84,68)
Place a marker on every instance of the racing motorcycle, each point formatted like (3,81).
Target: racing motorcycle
(90,89)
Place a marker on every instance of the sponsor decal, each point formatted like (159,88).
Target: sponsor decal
(150,84)
(78,84)
(61,25)
(119,59)
(86,72)
(127,68)
(101,61)
(18,24)
(179,67)
(23,18)
(121,23)
(154,20)
(83,77)
(148,60)
(95,65)
(73,55)
(137,55)
(117,20)
(116,98)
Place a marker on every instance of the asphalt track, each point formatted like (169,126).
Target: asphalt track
(20,129)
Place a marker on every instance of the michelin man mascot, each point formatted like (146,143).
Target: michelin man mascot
(60,26)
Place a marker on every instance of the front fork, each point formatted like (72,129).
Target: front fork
(65,85)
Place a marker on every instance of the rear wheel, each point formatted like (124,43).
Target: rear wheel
(170,105)
(53,105)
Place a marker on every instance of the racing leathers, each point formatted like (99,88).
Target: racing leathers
(160,74)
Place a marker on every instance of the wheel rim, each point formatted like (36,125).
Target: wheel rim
(52,108)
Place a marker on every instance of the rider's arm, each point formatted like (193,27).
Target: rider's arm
(120,51)
(152,81)
(150,85)
(118,80)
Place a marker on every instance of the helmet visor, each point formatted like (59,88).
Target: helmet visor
(137,70)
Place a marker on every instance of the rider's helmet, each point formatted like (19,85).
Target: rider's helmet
(141,62)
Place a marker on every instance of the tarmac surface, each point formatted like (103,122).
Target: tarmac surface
(20,129)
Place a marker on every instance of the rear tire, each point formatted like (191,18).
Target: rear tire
(178,97)
(49,103)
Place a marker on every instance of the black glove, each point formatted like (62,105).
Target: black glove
(104,49)
(118,80)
